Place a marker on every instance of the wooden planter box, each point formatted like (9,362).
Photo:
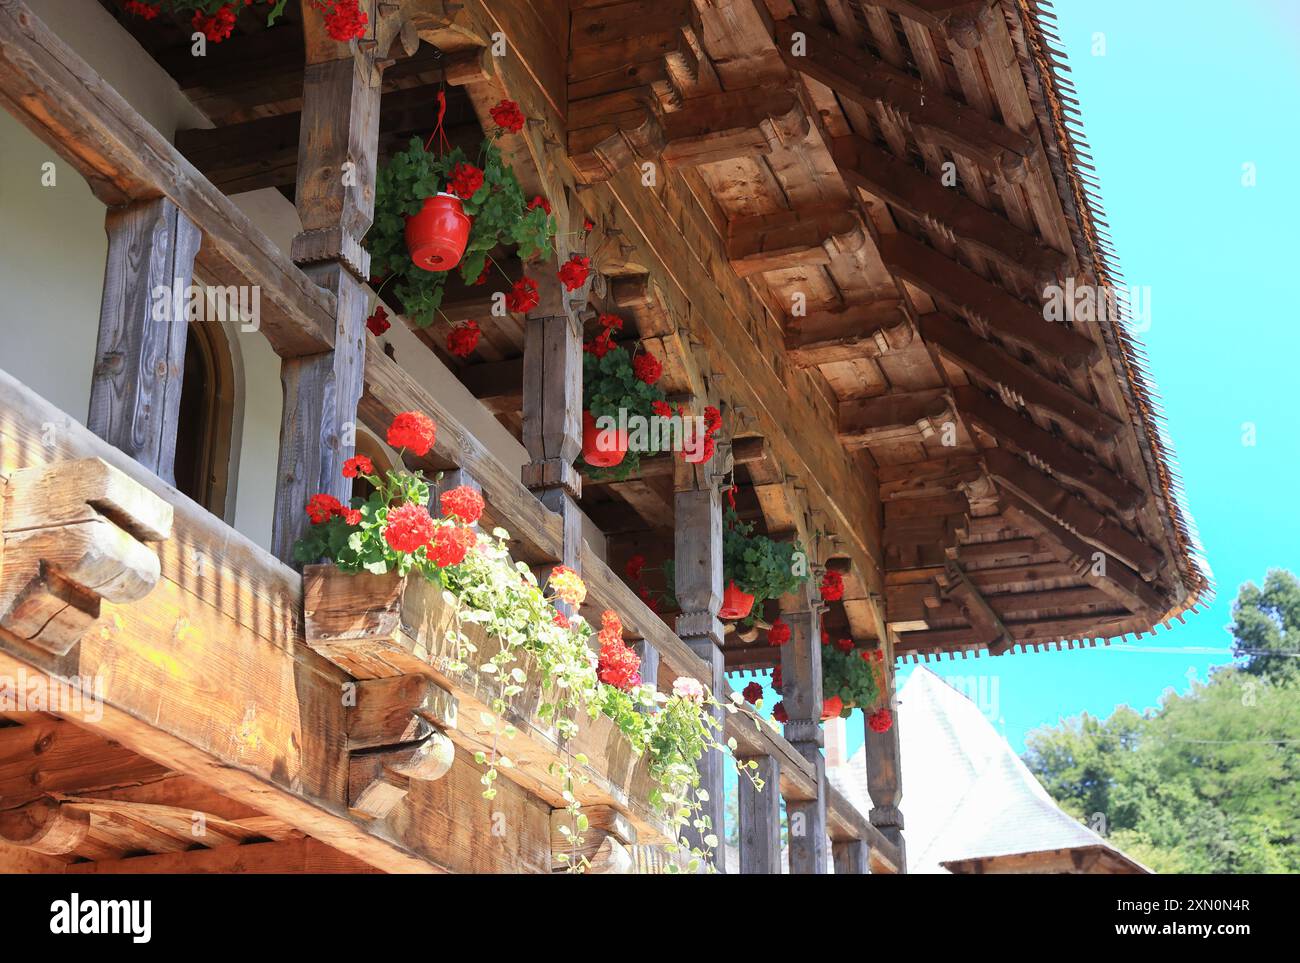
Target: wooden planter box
(380,626)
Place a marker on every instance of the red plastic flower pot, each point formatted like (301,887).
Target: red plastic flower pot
(436,237)
(832,707)
(601,449)
(735,603)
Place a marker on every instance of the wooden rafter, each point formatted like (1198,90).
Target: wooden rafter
(790,239)
(889,417)
(827,335)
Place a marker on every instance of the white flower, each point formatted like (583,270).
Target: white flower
(684,687)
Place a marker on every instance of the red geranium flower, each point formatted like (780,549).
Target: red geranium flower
(451,544)
(712,419)
(776,678)
(562,620)
(345,20)
(661,408)
(752,693)
(647,368)
(573,272)
(541,202)
(832,707)
(463,339)
(844,645)
(466,179)
(779,713)
(358,465)
(880,720)
(414,431)
(618,665)
(588,225)
(634,566)
(832,586)
(215,27)
(321,507)
(462,502)
(146,10)
(523,297)
(779,633)
(378,322)
(508,116)
(826,637)
(351,515)
(409,526)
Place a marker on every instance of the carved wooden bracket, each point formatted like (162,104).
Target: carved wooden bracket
(75,533)
(45,826)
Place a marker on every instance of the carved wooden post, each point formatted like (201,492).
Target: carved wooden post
(801,671)
(884,779)
(698,585)
(337,148)
(553,407)
(852,857)
(760,819)
(135,394)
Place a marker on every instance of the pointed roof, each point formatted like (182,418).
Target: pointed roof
(966,794)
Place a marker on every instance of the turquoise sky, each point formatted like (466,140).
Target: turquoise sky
(1185,94)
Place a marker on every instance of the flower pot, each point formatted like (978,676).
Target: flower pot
(601,449)
(436,237)
(735,603)
(832,707)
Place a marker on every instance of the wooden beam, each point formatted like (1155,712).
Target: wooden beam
(64,102)
(891,417)
(1017,432)
(793,238)
(51,755)
(958,19)
(985,623)
(135,391)
(859,330)
(293,856)
(864,165)
(924,479)
(852,72)
(1095,626)
(1075,513)
(983,302)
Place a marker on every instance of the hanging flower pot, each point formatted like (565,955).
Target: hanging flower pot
(601,449)
(832,707)
(735,603)
(436,237)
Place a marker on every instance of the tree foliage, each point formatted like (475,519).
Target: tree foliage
(1209,782)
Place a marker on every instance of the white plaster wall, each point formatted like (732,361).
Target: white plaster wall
(52,250)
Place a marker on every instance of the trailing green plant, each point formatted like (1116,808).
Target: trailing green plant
(852,675)
(393,531)
(760,566)
(492,198)
(618,384)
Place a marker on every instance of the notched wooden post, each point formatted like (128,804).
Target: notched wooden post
(75,533)
(884,779)
(760,819)
(801,669)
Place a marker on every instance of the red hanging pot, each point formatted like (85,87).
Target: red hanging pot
(602,449)
(832,707)
(735,603)
(436,237)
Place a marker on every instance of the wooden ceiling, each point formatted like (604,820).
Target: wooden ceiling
(892,184)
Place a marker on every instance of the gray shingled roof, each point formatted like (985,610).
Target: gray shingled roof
(966,794)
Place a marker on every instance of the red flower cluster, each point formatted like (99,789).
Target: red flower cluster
(826,637)
(413,431)
(146,10)
(618,665)
(358,465)
(647,368)
(650,601)
(523,297)
(562,620)
(779,713)
(451,544)
(463,339)
(832,707)
(541,202)
(378,322)
(776,678)
(603,343)
(344,20)
(588,225)
(661,408)
(462,502)
(844,645)
(323,507)
(215,27)
(573,272)
(409,526)
(832,586)
(752,693)
(779,633)
(881,720)
(508,116)
(466,179)
(712,422)
(634,566)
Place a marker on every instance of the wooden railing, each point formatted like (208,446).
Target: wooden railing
(63,101)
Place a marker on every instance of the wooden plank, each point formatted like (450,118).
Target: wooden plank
(983,302)
(50,755)
(135,391)
(293,856)
(65,103)
(759,814)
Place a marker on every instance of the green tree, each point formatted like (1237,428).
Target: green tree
(1266,626)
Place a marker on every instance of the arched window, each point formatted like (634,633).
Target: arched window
(206,418)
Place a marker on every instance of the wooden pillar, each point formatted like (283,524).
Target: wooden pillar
(852,857)
(760,819)
(698,585)
(135,392)
(801,671)
(337,148)
(884,779)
